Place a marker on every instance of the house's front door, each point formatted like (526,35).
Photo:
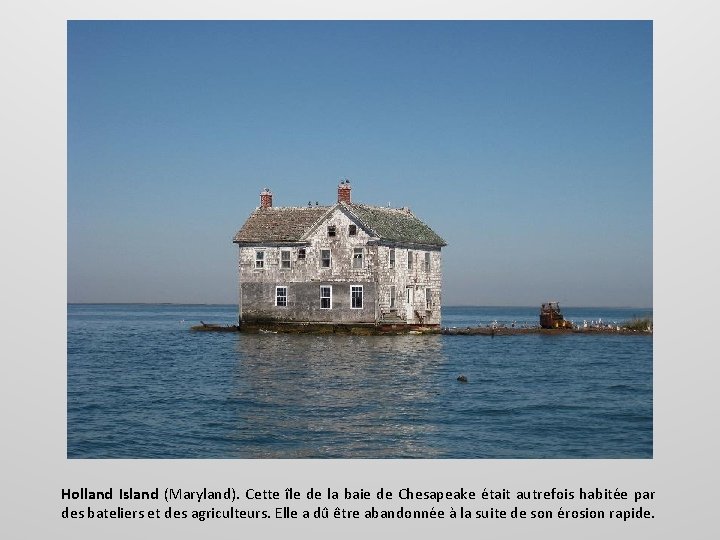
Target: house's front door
(409,301)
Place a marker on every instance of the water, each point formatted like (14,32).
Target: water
(142,385)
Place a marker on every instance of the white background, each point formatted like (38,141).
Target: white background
(683,471)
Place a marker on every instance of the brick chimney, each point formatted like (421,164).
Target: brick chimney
(265,198)
(344,191)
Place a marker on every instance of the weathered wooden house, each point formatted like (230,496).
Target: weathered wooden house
(345,264)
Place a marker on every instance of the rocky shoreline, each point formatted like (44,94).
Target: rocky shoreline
(509,331)
(492,331)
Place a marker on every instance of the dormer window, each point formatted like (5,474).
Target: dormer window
(331,230)
(352,230)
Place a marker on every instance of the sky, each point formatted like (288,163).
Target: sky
(527,145)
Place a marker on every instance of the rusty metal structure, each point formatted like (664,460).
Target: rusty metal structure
(551,316)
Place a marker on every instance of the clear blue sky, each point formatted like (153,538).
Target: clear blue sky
(526,145)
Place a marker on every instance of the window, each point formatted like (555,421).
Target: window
(392,296)
(331,230)
(325,258)
(358,258)
(284,259)
(408,295)
(356,297)
(259,259)
(427,261)
(410,259)
(352,230)
(428,298)
(392,257)
(325,297)
(301,253)
(281,296)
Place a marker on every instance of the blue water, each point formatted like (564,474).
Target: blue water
(142,385)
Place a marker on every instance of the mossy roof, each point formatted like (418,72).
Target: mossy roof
(293,224)
(396,225)
(280,224)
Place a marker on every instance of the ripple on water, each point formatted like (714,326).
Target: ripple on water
(141,385)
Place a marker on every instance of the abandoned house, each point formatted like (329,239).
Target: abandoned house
(345,264)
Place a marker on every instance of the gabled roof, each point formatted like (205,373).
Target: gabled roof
(396,225)
(293,224)
(280,224)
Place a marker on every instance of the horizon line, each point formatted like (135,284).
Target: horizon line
(447,306)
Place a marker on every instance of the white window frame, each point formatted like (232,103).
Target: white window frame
(353,289)
(332,231)
(277,296)
(302,253)
(259,259)
(410,260)
(392,297)
(329,258)
(391,259)
(361,258)
(329,288)
(283,261)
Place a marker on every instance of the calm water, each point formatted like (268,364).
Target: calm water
(142,385)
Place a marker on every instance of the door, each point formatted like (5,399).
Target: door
(409,302)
